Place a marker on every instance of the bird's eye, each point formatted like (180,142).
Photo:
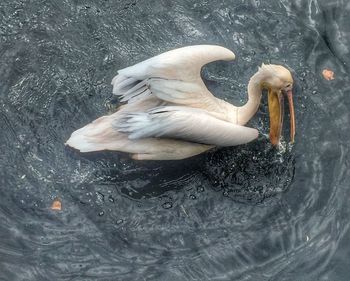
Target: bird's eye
(288,85)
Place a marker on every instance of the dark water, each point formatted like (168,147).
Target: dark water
(243,213)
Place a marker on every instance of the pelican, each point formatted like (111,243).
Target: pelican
(169,114)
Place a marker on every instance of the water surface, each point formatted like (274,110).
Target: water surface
(242,213)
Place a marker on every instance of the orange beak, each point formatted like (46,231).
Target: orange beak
(276,111)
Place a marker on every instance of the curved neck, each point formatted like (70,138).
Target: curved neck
(247,111)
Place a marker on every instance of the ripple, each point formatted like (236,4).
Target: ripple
(243,213)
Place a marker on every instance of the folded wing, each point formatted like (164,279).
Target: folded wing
(179,122)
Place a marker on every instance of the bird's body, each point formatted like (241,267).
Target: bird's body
(168,112)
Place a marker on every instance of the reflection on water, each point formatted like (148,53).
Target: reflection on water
(242,213)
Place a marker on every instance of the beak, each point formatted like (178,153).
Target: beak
(276,111)
(292,117)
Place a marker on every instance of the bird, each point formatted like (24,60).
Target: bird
(168,113)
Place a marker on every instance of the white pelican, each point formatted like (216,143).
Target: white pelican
(169,113)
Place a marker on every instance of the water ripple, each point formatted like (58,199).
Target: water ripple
(243,213)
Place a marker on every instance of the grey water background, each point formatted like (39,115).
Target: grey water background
(242,213)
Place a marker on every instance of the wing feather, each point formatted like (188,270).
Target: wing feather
(173,76)
(179,122)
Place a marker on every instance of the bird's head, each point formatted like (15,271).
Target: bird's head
(278,81)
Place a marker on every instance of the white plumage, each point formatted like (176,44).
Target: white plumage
(168,112)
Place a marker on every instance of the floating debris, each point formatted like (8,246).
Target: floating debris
(328,74)
(167,205)
(56,205)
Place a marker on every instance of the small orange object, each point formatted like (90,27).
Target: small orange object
(56,205)
(328,74)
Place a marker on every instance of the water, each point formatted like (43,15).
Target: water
(242,213)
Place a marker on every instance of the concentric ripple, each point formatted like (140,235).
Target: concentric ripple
(243,213)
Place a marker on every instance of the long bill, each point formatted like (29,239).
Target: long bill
(276,112)
(292,117)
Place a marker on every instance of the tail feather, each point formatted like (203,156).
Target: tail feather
(101,134)
(96,136)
